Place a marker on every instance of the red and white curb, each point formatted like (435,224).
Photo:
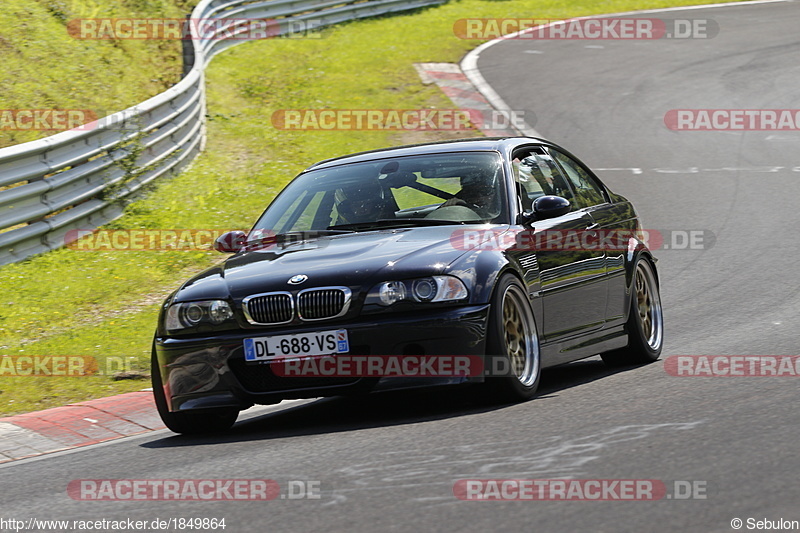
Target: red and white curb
(78,424)
(455,84)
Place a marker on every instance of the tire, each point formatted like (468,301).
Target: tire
(645,325)
(512,345)
(196,422)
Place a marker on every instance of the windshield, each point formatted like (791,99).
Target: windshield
(454,188)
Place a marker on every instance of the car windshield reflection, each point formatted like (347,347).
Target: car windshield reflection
(430,190)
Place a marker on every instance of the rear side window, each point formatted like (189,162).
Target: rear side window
(587,192)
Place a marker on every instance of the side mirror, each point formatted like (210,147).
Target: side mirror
(230,242)
(545,207)
(550,207)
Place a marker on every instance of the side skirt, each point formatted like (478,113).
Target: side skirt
(583,346)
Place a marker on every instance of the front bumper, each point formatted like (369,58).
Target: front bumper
(211,372)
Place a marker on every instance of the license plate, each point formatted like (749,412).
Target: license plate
(317,343)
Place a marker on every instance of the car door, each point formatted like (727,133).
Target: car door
(572,276)
(614,222)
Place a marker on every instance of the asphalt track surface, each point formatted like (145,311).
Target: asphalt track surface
(389,462)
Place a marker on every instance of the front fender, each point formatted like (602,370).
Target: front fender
(480,269)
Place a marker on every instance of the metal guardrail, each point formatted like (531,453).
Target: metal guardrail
(83,179)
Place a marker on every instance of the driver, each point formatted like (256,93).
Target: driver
(364,202)
(477,191)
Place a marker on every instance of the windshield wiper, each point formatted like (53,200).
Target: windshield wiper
(398,223)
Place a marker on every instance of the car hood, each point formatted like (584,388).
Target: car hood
(356,260)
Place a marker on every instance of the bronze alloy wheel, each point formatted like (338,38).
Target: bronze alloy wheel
(520,336)
(645,325)
(648,306)
(512,344)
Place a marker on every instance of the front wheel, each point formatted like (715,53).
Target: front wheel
(645,325)
(201,421)
(513,359)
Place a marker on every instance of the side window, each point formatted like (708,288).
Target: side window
(587,191)
(537,175)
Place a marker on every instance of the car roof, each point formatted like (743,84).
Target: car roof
(480,144)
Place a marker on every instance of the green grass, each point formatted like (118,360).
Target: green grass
(42,67)
(104,304)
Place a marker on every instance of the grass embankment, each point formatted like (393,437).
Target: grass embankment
(104,304)
(42,67)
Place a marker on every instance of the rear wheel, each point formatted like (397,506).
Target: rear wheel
(645,324)
(512,346)
(201,421)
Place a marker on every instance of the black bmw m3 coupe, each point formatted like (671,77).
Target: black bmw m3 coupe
(481,260)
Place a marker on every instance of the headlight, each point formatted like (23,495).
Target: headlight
(191,314)
(391,292)
(424,290)
(431,289)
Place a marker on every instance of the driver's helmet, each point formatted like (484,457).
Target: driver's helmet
(479,187)
(363,202)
